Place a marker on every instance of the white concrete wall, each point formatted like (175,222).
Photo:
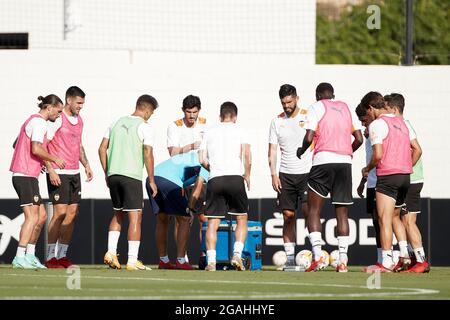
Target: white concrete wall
(114,79)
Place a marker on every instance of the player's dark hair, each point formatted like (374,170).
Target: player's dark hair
(190,102)
(324,91)
(360,111)
(395,100)
(51,99)
(145,101)
(74,91)
(287,90)
(373,99)
(228,109)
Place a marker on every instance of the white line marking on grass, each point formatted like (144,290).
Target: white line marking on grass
(252,295)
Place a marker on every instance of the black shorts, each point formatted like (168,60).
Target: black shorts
(126,193)
(413,198)
(226,194)
(371,203)
(293,188)
(334,178)
(170,198)
(69,192)
(27,189)
(394,186)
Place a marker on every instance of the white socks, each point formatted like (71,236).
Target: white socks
(164,259)
(403,246)
(388,262)
(379,256)
(133,250)
(211,255)
(289,248)
(238,247)
(31,249)
(62,250)
(316,242)
(21,252)
(343,248)
(420,254)
(113,239)
(51,251)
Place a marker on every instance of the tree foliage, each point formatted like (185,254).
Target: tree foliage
(347,39)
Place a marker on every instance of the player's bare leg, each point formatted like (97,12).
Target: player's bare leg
(289,236)
(240,235)
(115,226)
(59,213)
(343,232)
(385,209)
(65,234)
(31,247)
(211,241)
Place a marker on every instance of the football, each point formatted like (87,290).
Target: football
(279,258)
(334,258)
(326,258)
(303,261)
(306,254)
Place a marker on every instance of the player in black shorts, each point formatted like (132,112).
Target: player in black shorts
(290,183)
(331,124)
(221,151)
(370,193)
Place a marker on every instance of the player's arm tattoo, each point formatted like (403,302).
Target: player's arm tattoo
(83,159)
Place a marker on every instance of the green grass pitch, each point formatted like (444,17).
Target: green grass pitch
(100,282)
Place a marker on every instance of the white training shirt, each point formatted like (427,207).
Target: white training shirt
(315,114)
(223,144)
(52,128)
(288,133)
(178,135)
(378,130)
(145,132)
(36,130)
(372,178)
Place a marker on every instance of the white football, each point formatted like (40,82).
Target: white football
(303,254)
(326,258)
(306,253)
(334,258)
(279,258)
(303,261)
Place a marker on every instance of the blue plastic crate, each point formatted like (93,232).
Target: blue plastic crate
(252,245)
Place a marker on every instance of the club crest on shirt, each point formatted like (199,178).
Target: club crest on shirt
(36,198)
(56,197)
(301,123)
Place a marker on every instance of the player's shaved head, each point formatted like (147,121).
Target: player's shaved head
(146,101)
(228,110)
(324,91)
